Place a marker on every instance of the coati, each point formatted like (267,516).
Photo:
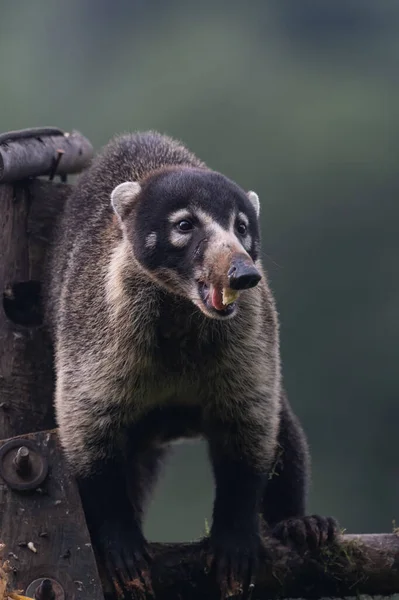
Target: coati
(164,327)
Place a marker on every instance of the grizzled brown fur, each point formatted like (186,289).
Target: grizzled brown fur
(144,352)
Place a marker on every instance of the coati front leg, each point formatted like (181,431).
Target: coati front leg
(261,466)
(284,501)
(113,498)
(241,452)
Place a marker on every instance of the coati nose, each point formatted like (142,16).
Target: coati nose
(243,274)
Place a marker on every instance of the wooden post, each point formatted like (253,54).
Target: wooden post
(26,376)
(44,529)
(27,212)
(42,522)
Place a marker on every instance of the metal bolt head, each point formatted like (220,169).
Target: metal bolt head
(22,465)
(22,461)
(45,588)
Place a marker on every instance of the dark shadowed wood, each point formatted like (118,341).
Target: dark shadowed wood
(361,564)
(51,518)
(27,212)
(31,153)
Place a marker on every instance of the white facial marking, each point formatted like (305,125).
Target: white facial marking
(247,242)
(254,199)
(179,215)
(209,222)
(243,217)
(223,237)
(176,238)
(179,239)
(151,240)
(123,196)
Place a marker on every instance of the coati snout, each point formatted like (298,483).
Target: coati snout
(243,274)
(194,232)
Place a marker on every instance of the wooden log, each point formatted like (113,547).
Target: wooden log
(42,151)
(27,213)
(45,532)
(359,564)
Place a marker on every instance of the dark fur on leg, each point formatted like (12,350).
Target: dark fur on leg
(286,490)
(235,534)
(113,499)
(284,502)
(116,534)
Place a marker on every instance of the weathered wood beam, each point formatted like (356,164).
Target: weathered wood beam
(43,528)
(27,214)
(360,564)
(42,151)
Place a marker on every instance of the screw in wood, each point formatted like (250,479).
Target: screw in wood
(45,591)
(22,461)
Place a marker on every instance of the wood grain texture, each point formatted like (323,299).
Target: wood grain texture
(53,520)
(36,155)
(27,213)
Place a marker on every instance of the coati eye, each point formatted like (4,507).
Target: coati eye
(184,226)
(241,228)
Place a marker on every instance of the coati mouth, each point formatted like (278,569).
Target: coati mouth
(214,300)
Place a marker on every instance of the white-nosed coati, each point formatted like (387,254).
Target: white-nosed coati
(164,327)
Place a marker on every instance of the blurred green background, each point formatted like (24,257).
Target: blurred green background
(298,100)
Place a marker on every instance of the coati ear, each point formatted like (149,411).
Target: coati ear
(123,197)
(254,199)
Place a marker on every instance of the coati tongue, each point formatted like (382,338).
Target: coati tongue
(217,298)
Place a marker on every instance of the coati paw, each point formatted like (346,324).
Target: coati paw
(307,533)
(232,562)
(127,561)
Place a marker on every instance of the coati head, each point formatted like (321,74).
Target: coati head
(194,232)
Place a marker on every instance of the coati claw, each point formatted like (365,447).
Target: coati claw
(127,562)
(307,533)
(233,565)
